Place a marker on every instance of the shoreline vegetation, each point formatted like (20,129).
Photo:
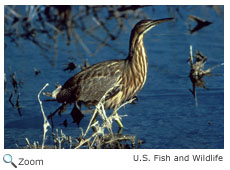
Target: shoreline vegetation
(97,135)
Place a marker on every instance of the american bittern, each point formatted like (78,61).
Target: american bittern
(128,75)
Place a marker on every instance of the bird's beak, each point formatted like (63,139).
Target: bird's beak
(156,22)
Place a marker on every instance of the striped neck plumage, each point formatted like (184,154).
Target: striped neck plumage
(138,61)
(137,53)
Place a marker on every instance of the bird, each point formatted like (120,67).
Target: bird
(127,76)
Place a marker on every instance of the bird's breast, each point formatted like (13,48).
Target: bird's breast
(139,66)
(131,82)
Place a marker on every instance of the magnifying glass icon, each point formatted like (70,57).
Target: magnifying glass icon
(7,158)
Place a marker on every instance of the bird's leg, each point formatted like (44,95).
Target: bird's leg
(76,114)
(117,118)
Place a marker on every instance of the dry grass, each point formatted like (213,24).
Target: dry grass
(97,135)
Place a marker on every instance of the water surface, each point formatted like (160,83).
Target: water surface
(165,115)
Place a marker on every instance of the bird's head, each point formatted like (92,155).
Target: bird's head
(144,26)
(140,29)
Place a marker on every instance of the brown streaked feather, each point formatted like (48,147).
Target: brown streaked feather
(89,85)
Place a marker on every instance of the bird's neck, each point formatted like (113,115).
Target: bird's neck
(137,54)
(137,59)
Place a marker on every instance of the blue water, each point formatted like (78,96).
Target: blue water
(165,115)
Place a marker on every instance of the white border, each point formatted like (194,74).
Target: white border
(107,159)
(112,2)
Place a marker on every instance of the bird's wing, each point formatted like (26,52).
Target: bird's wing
(93,88)
(90,85)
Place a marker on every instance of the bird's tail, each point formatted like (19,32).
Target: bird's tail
(53,94)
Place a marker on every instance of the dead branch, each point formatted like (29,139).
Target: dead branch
(46,122)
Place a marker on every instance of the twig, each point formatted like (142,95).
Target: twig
(127,102)
(12,104)
(78,39)
(208,71)
(97,110)
(191,57)
(107,121)
(18,106)
(28,142)
(82,142)
(197,72)
(90,122)
(46,122)
(13,12)
(193,91)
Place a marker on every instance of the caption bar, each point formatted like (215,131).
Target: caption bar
(179,158)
